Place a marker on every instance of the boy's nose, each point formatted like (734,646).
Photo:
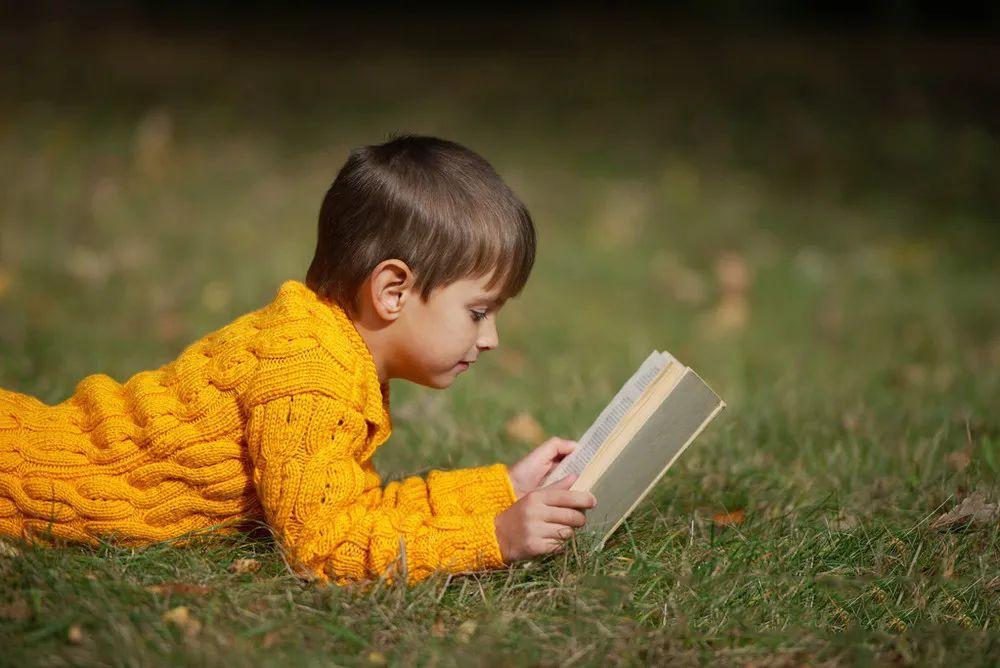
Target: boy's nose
(489,339)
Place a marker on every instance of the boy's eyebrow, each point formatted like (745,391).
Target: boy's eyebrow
(493,302)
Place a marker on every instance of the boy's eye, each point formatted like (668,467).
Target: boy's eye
(478,315)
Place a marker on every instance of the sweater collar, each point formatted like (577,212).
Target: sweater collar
(375,394)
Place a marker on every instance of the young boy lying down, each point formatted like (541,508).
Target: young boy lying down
(276,416)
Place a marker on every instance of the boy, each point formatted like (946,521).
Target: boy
(277,415)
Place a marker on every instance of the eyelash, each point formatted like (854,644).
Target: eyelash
(478,315)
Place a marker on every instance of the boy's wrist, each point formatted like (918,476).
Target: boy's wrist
(512,486)
(498,524)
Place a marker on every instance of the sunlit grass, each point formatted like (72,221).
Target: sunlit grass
(151,195)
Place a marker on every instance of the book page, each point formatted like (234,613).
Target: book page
(620,438)
(678,420)
(609,418)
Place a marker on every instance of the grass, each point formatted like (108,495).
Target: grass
(156,186)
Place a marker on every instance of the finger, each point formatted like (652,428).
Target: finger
(565,516)
(564,447)
(563,483)
(566,498)
(557,533)
(551,447)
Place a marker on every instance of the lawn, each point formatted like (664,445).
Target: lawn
(809,222)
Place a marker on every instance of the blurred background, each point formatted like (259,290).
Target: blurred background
(799,203)
(798,200)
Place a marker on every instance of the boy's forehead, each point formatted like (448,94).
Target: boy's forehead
(474,289)
(477,287)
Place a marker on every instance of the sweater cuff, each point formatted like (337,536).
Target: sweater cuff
(464,544)
(481,489)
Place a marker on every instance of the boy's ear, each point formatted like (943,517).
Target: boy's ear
(391,283)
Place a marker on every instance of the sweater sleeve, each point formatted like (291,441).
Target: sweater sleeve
(327,507)
(473,490)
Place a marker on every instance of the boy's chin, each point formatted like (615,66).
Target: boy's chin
(441,382)
(438,382)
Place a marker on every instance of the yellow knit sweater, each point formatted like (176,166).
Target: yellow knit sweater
(275,416)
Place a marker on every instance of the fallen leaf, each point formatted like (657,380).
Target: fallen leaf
(465,630)
(850,421)
(438,629)
(955,605)
(896,624)
(182,618)
(179,589)
(958,460)
(729,519)
(949,566)
(877,593)
(17,610)
(376,658)
(8,550)
(271,639)
(730,315)
(524,427)
(972,510)
(74,635)
(241,566)
(732,273)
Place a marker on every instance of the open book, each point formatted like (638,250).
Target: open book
(636,438)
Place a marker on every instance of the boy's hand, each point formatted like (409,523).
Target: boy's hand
(542,520)
(532,469)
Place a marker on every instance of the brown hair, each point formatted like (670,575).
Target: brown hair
(429,202)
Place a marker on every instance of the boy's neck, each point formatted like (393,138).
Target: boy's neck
(374,333)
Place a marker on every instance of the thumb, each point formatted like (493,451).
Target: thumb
(563,483)
(564,447)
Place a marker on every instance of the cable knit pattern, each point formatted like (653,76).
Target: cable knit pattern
(275,416)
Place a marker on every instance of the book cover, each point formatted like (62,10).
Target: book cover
(656,415)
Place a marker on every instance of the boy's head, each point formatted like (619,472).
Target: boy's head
(417,231)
